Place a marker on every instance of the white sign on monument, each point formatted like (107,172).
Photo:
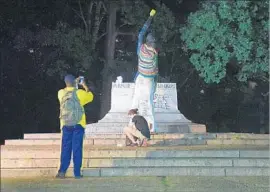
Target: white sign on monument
(165,98)
(165,102)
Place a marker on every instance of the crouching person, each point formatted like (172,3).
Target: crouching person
(72,122)
(137,128)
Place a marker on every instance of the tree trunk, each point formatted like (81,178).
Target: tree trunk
(2,66)
(97,21)
(109,63)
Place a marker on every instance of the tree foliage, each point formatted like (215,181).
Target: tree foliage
(75,44)
(135,13)
(226,34)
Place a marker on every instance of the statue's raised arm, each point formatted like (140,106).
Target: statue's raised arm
(144,30)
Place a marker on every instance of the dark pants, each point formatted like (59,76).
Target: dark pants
(72,141)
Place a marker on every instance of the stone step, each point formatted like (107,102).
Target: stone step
(138,162)
(40,152)
(238,142)
(141,171)
(116,142)
(121,136)
(153,142)
(124,123)
(115,129)
(181,171)
(242,136)
(236,136)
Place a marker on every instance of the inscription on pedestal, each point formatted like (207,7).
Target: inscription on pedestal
(165,98)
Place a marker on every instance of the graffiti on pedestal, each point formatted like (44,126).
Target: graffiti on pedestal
(143,106)
(161,101)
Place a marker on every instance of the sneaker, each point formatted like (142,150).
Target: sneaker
(133,145)
(143,143)
(60,175)
(79,177)
(128,141)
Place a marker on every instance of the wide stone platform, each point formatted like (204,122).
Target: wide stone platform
(216,155)
(169,119)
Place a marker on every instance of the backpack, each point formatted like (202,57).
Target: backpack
(71,111)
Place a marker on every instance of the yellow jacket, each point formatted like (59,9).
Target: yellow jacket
(84,98)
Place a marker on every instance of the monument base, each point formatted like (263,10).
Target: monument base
(167,116)
(114,123)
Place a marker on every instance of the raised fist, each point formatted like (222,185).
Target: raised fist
(153,12)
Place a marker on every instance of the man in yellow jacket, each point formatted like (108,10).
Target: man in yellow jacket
(72,123)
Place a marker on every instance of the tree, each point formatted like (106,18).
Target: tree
(72,44)
(75,45)
(226,35)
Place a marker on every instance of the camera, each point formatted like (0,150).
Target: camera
(81,79)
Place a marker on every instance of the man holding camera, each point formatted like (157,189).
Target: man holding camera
(72,123)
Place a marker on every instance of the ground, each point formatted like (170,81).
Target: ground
(138,184)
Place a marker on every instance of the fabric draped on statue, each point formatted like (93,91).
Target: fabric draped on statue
(147,61)
(143,98)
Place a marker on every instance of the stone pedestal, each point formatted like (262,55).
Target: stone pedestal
(169,119)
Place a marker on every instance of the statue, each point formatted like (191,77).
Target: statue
(146,77)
